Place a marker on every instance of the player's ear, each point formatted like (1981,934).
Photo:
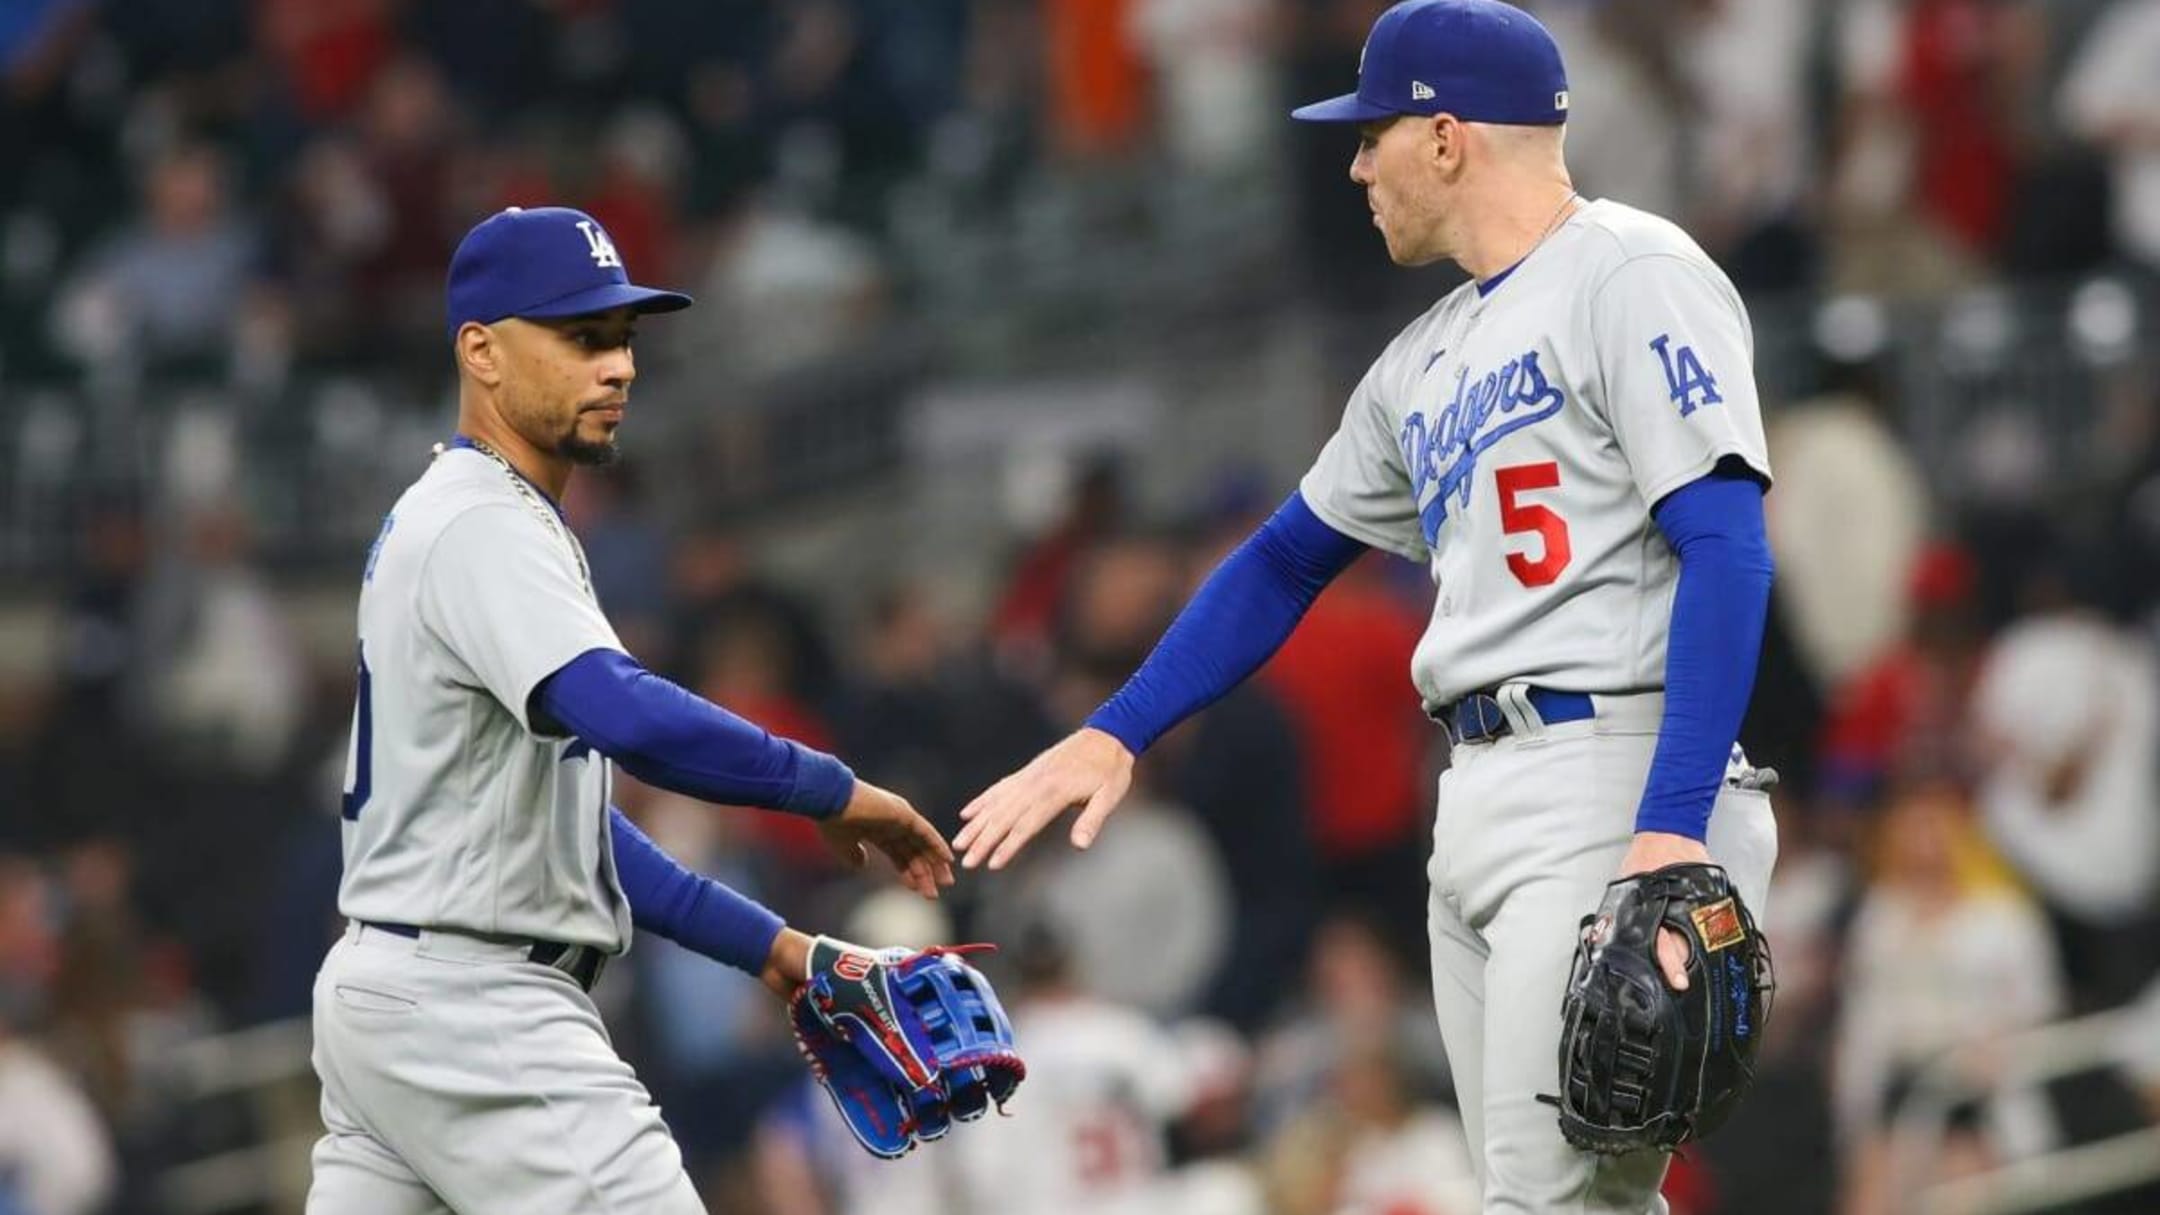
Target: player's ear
(478,353)
(1445,135)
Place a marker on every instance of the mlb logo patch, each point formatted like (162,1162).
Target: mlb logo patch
(1718,925)
(1559,100)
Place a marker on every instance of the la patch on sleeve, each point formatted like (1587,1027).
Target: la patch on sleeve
(1690,384)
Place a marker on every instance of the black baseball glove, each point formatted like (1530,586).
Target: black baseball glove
(1644,1066)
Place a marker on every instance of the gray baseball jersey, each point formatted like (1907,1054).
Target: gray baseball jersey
(1515,439)
(458,814)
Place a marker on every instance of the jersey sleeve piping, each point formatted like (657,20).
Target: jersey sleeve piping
(1604,229)
(1590,313)
(1695,264)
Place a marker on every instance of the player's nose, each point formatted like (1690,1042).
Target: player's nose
(1361,167)
(619,368)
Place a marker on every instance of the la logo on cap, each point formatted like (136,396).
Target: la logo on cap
(598,244)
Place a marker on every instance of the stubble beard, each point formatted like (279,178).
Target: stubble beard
(586,453)
(589,455)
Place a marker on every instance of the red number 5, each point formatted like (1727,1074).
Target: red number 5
(1516,518)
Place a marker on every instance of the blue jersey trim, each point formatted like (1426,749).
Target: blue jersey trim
(1492,284)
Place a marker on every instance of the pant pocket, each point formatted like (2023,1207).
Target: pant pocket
(372,999)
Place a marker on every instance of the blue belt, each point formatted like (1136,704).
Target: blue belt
(1477,717)
(583,963)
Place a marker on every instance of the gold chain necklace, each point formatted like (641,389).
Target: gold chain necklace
(1552,225)
(539,506)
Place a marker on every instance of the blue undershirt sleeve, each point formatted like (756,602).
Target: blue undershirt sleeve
(688,908)
(1236,621)
(1715,525)
(673,739)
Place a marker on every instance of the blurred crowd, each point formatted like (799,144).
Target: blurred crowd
(1224,1002)
(245,186)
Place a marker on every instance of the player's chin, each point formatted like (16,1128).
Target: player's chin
(591,441)
(1408,256)
(1397,252)
(1405,254)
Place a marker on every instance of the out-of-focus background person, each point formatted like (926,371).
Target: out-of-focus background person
(1014,314)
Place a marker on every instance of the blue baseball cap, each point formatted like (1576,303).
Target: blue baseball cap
(543,262)
(1480,60)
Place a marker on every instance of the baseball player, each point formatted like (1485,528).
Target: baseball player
(487,880)
(1573,445)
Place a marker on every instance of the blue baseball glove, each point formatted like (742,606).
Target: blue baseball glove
(905,1041)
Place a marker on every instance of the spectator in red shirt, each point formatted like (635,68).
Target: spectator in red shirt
(1903,715)
(1966,75)
(743,665)
(1021,623)
(1342,679)
(329,50)
(1343,673)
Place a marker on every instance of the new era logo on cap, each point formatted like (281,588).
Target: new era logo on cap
(1480,60)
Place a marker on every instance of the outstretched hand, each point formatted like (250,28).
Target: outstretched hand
(1089,768)
(878,819)
(1655,850)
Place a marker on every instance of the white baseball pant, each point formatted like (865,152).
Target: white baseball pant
(458,1076)
(1530,828)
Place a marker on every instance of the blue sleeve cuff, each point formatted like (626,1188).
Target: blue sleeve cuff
(823,785)
(1715,526)
(673,739)
(1233,625)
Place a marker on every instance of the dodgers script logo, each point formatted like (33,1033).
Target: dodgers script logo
(1445,450)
